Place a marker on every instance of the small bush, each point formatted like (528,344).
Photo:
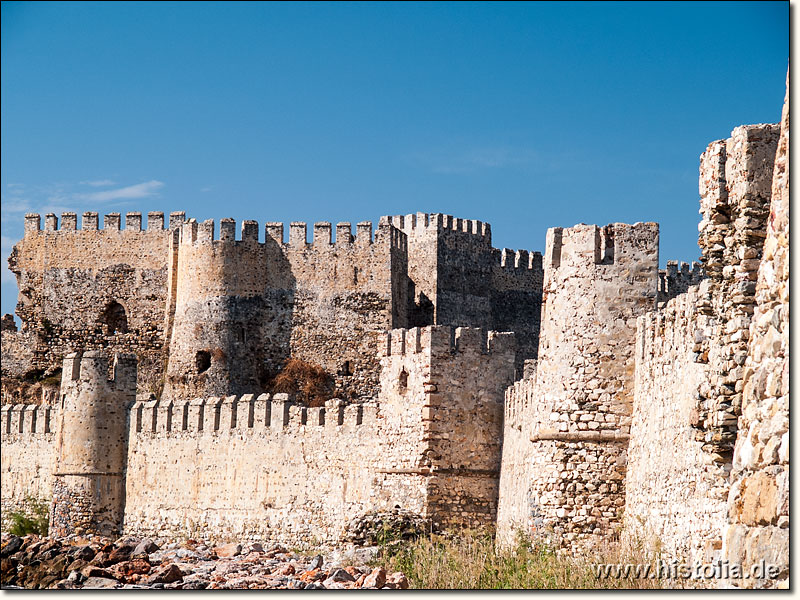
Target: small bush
(33,519)
(308,382)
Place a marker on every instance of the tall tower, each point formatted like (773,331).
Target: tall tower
(572,418)
(89,478)
(216,345)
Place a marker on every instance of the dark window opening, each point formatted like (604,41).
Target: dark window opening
(347,368)
(202,361)
(402,382)
(115,319)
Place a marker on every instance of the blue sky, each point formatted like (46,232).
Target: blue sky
(525,115)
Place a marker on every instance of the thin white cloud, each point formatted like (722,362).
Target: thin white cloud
(99,183)
(140,190)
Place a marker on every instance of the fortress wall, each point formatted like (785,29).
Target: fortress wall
(758,503)
(597,281)
(69,277)
(28,456)
(470,369)
(443,386)
(251,305)
(516,299)
(457,278)
(346,295)
(675,280)
(253,468)
(465,261)
(735,190)
(676,495)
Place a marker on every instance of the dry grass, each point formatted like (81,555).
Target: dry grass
(308,382)
(470,560)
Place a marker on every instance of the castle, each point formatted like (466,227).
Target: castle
(578,396)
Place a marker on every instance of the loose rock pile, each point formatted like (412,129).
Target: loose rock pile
(132,563)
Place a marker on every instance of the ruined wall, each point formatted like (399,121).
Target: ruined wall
(26,461)
(759,499)
(576,411)
(243,306)
(735,183)
(676,494)
(91,288)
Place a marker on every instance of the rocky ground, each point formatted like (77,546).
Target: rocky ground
(133,563)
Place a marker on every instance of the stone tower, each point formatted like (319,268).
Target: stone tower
(89,477)
(567,426)
(216,346)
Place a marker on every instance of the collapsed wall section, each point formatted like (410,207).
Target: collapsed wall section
(758,504)
(563,478)
(91,287)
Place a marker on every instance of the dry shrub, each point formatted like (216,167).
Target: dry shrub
(308,382)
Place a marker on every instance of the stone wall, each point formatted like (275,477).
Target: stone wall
(457,278)
(91,288)
(28,454)
(450,382)
(735,184)
(246,306)
(255,468)
(758,503)
(675,500)
(265,466)
(573,417)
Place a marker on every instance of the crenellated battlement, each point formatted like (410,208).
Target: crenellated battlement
(443,339)
(91,368)
(193,232)
(615,243)
(248,414)
(422,222)
(112,222)
(519,260)
(677,279)
(22,419)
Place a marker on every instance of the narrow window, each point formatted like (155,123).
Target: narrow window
(114,318)
(402,382)
(202,360)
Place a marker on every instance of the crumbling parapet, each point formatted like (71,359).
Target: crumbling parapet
(758,503)
(735,188)
(91,447)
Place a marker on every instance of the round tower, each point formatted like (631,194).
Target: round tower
(89,478)
(216,345)
(574,412)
